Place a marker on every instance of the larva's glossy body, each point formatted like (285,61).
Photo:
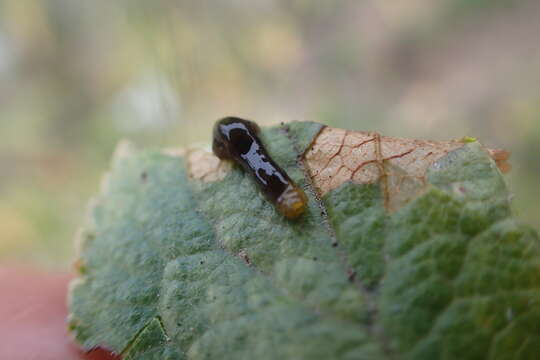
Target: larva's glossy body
(237,140)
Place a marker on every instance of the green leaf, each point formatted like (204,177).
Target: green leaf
(172,267)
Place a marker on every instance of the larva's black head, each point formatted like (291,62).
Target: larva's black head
(231,135)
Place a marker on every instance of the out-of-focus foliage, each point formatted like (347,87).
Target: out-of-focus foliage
(76,76)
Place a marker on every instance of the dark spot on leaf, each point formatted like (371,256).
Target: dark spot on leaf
(243,254)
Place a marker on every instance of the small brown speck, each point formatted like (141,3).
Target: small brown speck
(244,256)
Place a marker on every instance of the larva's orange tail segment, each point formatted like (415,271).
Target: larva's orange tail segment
(292,202)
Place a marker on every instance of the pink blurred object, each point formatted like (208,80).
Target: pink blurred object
(33,317)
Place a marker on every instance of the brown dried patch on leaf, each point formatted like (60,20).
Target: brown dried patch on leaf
(202,165)
(205,166)
(339,155)
(501,157)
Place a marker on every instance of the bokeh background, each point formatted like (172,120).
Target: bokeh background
(78,76)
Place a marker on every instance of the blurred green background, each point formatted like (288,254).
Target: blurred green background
(77,76)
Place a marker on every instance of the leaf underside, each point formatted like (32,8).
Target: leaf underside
(174,268)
